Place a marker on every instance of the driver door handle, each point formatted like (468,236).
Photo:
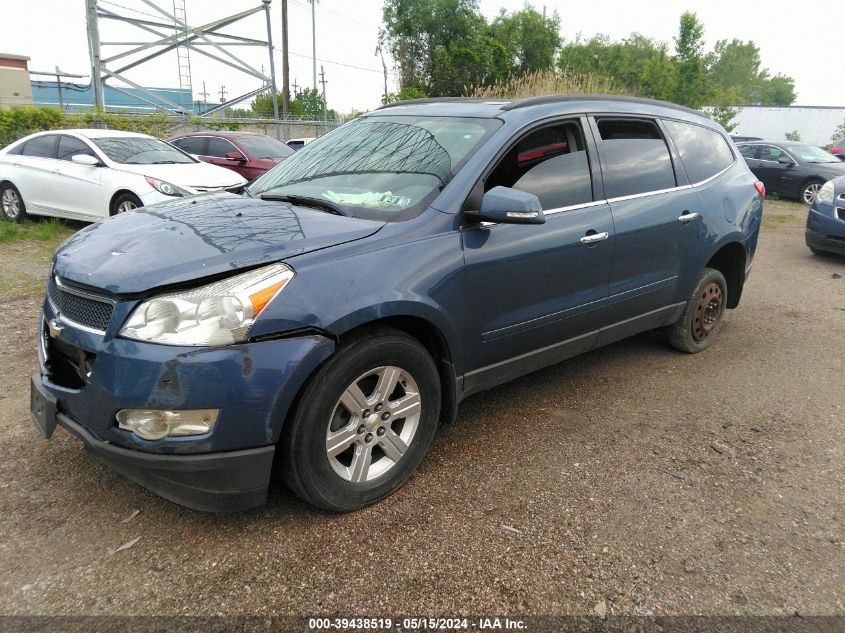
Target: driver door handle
(688,217)
(595,237)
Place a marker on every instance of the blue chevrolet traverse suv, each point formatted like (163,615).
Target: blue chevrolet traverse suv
(317,325)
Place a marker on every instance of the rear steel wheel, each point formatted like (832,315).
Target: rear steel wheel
(708,311)
(698,326)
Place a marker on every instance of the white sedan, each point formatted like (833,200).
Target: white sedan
(93,174)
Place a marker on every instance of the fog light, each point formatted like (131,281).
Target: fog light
(152,424)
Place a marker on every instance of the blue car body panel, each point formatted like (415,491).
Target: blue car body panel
(825,229)
(504,299)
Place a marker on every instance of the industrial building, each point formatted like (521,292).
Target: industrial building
(15,88)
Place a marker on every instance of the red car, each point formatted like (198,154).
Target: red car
(247,153)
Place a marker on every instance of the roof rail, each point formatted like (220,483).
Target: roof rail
(533,101)
(408,102)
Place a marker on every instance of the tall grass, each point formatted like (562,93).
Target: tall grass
(47,230)
(549,82)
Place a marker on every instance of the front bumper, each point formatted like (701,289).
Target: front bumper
(252,384)
(215,482)
(825,233)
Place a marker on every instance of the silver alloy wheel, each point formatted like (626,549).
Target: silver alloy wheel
(373,424)
(11,204)
(126,205)
(810,192)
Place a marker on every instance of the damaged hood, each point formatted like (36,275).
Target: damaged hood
(191,238)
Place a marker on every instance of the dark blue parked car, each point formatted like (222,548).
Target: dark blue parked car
(318,325)
(825,231)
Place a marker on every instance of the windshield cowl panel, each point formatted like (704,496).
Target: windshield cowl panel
(380,167)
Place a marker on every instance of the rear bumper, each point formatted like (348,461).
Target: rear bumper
(213,482)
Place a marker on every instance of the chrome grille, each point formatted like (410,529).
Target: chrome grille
(94,313)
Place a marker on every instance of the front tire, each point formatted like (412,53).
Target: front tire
(11,203)
(810,190)
(698,326)
(363,423)
(125,202)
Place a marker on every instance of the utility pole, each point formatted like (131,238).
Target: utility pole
(204,94)
(94,48)
(59,86)
(295,89)
(285,65)
(314,41)
(272,68)
(222,94)
(384,66)
(325,105)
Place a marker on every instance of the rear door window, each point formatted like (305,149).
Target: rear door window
(634,156)
(551,163)
(41,146)
(704,152)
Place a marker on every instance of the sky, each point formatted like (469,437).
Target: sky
(52,32)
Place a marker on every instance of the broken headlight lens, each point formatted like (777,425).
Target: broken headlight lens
(217,314)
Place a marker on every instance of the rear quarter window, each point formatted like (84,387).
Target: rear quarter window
(704,152)
(634,156)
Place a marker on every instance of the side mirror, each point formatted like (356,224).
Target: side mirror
(236,156)
(510,206)
(85,159)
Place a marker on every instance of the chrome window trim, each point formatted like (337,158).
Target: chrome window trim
(573,207)
(714,176)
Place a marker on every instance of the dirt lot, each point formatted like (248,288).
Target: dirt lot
(636,477)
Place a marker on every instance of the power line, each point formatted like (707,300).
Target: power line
(329,61)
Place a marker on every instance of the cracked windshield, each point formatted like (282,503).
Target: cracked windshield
(385,168)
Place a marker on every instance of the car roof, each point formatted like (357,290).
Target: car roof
(229,135)
(562,103)
(94,133)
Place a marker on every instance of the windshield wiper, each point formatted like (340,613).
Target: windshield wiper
(305,201)
(163,162)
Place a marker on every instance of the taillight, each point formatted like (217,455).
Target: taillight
(761,189)
(837,150)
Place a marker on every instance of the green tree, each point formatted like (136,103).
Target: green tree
(308,104)
(439,46)
(794,136)
(624,61)
(779,90)
(689,59)
(838,134)
(403,95)
(735,65)
(659,79)
(524,41)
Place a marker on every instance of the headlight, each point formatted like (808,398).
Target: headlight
(217,314)
(825,194)
(166,188)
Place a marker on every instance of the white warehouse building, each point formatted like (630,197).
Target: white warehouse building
(814,124)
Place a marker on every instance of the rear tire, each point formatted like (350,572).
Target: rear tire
(11,203)
(363,422)
(125,202)
(698,326)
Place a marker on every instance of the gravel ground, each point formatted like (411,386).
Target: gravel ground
(634,477)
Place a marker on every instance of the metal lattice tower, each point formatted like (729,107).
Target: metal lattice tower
(183,52)
(170,31)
